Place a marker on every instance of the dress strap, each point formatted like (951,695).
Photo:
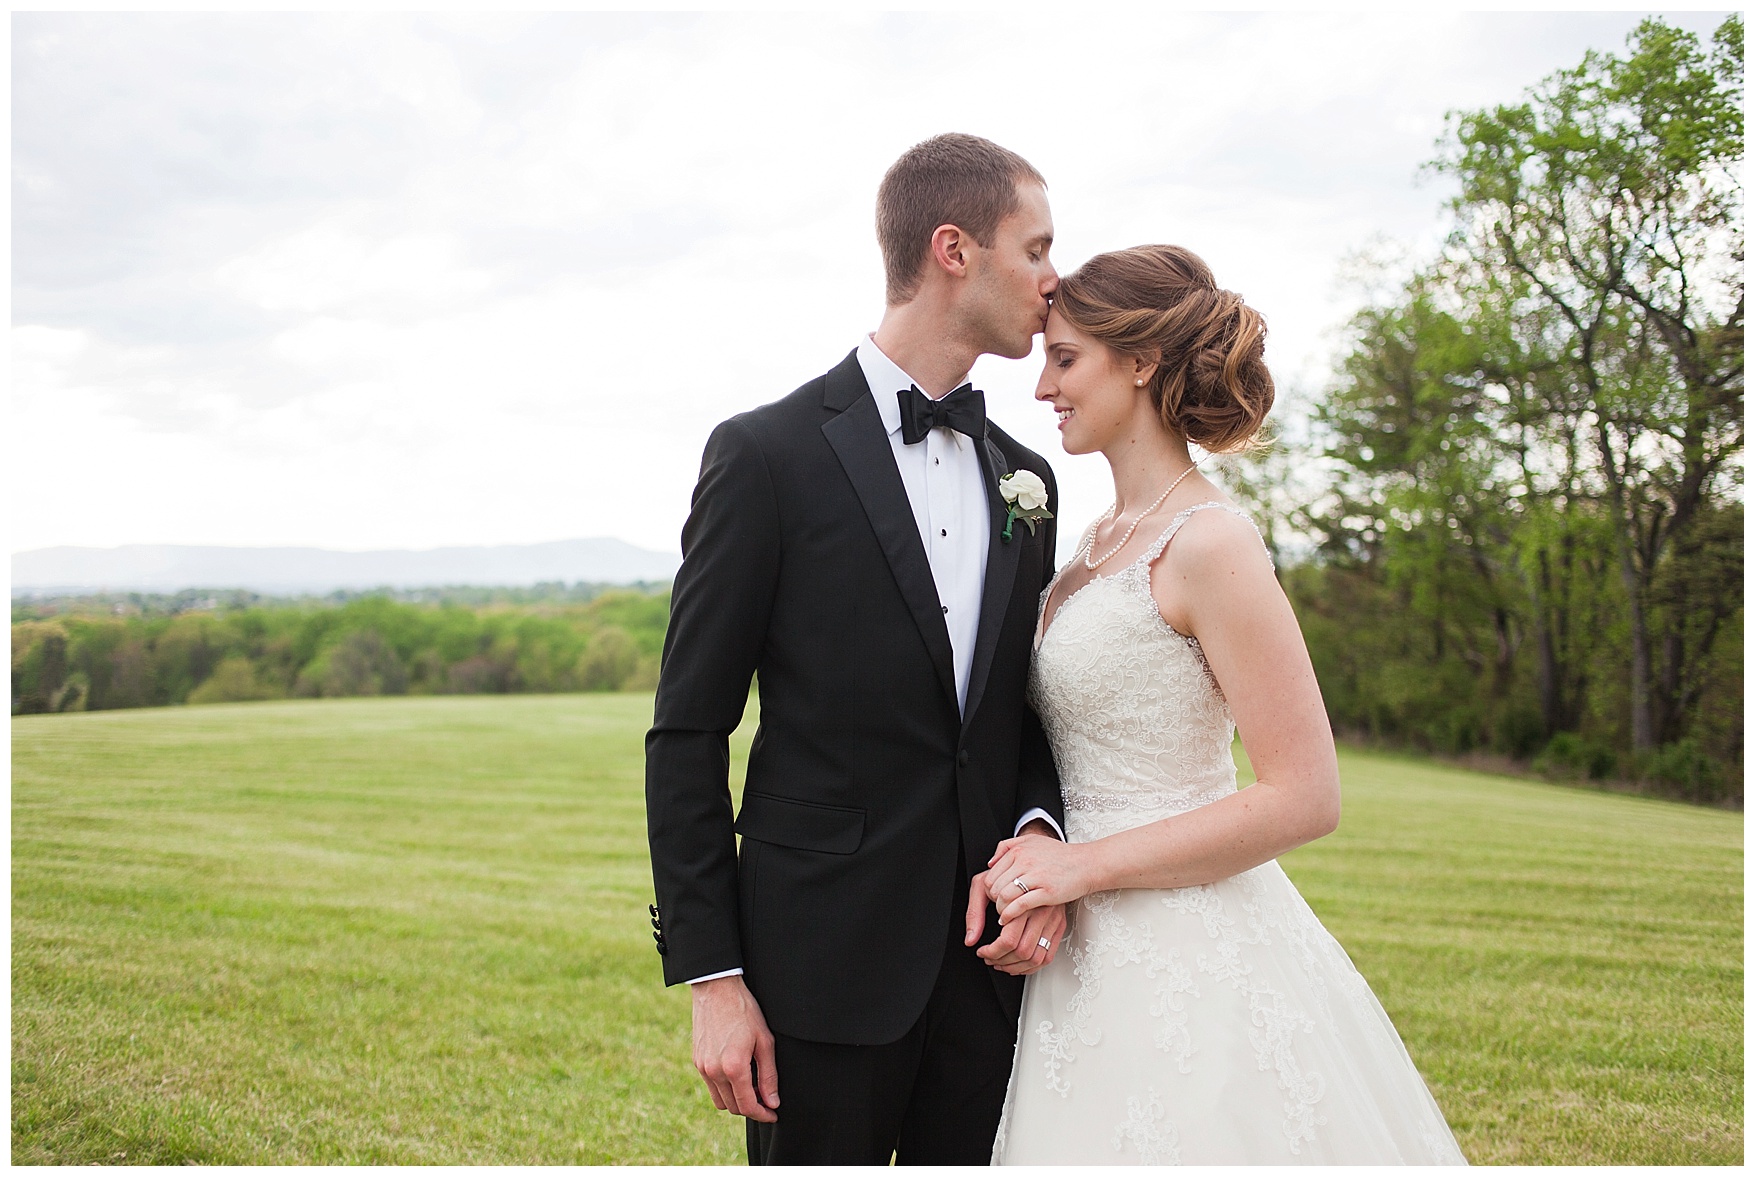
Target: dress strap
(1184,515)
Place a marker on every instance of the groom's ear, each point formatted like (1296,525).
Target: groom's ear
(950,251)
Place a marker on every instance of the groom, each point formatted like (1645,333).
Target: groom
(847,546)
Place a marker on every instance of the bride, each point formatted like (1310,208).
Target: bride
(1201,1014)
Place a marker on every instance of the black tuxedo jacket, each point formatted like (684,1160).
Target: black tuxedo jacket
(802,565)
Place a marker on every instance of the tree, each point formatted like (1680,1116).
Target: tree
(1611,200)
(609,661)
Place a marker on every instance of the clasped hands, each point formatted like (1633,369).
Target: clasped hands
(1048,867)
(733,1047)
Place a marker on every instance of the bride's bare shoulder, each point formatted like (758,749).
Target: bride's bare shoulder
(1213,536)
(1216,556)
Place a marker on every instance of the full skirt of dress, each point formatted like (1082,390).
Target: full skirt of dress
(1218,1024)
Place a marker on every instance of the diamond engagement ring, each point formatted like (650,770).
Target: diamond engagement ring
(1020,884)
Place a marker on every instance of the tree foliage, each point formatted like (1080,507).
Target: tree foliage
(368,646)
(1536,500)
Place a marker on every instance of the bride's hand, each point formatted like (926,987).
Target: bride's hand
(1054,872)
(1020,948)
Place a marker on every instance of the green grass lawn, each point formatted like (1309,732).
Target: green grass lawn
(414,931)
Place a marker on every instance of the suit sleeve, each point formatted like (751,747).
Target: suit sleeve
(1038,782)
(720,603)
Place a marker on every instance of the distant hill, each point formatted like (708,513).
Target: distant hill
(173,568)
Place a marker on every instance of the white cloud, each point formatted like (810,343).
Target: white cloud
(332,266)
(399,280)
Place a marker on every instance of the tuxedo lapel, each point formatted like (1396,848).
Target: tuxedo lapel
(857,436)
(1002,568)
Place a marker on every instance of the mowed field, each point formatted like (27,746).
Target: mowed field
(409,931)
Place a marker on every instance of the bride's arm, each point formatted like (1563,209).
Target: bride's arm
(1215,583)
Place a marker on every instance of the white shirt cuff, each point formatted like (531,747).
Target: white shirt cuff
(716,976)
(1032,816)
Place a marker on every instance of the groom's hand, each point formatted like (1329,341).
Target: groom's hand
(1018,949)
(734,1050)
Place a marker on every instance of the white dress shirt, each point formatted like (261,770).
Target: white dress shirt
(948,492)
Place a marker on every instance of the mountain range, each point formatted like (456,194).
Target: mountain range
(170,568)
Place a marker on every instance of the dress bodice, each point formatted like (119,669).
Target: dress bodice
(1139,727)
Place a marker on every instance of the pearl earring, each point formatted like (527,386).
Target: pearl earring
(1139,383)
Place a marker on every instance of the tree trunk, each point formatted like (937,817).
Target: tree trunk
(1547,672)
(1640,695)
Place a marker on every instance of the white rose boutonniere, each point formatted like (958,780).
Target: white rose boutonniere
(1025,498)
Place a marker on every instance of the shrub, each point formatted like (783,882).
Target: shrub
(131,676)
(609,661)
(482,674)
(1569,756)
(645,676)
(1519,730)
(39,667)
(1685,769)
(361,664)
(233,681)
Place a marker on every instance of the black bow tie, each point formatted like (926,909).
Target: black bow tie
(963,409)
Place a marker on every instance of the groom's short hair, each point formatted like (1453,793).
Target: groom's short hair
(954,179)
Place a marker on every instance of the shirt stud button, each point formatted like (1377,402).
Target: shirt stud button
(942,531)
(944,608)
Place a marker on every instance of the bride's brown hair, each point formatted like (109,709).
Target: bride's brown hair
(1160,302)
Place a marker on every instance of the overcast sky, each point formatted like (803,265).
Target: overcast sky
(405,281)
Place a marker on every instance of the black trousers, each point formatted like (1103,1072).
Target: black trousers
(932,1098)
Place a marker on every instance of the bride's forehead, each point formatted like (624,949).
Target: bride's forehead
(1057,332)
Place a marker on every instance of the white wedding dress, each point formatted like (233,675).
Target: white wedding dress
(1218,1024)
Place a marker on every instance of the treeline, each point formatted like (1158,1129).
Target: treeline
(1530,537)
(36,606)
(122,652)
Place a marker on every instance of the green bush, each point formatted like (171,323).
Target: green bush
(609,661)
(1519,730)
(362,663)
(39,667)
(1569,756)
(1684,769)
(234,681)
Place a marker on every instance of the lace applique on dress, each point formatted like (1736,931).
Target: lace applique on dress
(1152,1139)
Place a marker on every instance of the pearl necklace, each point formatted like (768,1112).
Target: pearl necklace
(1136,522)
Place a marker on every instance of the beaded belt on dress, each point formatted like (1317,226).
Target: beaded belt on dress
(1181,802)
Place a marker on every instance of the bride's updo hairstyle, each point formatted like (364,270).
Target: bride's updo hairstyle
(1160,302)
